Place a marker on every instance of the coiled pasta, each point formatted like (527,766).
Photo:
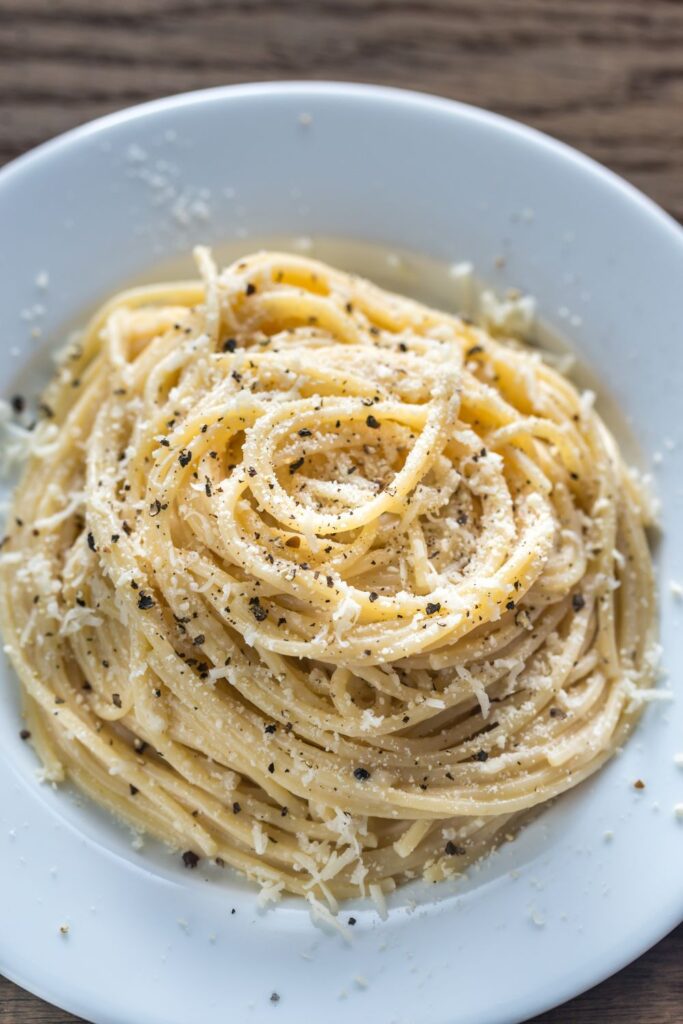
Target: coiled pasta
(321,583)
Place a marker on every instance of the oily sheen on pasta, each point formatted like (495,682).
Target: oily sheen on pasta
(310,579)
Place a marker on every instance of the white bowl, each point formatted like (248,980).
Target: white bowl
(554,912)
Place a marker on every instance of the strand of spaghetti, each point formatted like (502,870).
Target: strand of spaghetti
(312,579)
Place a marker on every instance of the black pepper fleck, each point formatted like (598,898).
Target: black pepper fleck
(257,611)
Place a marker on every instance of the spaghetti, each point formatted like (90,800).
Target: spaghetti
(320,583)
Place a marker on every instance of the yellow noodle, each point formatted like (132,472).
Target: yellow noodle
(309,578)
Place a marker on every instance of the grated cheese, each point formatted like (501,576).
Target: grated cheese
(514,315)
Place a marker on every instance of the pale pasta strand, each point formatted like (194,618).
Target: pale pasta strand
(319,582)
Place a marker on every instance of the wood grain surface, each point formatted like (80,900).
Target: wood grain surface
(606,76)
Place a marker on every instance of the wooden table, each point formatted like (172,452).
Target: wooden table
(604,75)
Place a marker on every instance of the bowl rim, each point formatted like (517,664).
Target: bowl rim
(417,99)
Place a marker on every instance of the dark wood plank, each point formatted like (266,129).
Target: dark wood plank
(604,75)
